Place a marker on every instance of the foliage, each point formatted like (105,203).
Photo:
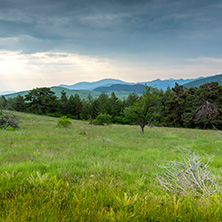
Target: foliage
(104,105)
(17,103)
(63,103)
(180,107)
(102,119)
(8,121)
(41,101)
(146,109)
(2,102)
(63,121)
(74,106)
(183,106)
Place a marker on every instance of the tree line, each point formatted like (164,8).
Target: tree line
(194,107)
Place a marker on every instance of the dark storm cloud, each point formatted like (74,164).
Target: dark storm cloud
(111,26)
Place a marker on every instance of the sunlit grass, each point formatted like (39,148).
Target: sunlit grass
(100,173)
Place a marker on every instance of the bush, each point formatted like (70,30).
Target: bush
(8,121)
(102,119)
(63,121)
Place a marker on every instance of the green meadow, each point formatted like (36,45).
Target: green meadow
(101,173)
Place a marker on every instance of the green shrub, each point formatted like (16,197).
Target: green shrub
(63,121)
(8,121)
(102,119)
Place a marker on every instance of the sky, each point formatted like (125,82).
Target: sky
(52,42)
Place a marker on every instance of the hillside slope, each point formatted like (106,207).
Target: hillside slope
(83,94)
(57,90)
(199,82)
(138,88)
(93,85)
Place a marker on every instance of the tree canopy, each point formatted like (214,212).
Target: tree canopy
(194,107)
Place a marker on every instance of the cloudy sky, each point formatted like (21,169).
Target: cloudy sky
(52,42)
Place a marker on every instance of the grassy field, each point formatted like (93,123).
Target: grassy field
(100,173)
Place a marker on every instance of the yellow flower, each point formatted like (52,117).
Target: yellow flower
(39,152)
(42,145)
(216,195)
(210,194)
(30,123)
(34,153)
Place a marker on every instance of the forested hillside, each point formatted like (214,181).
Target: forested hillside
(201,81)
(177,107)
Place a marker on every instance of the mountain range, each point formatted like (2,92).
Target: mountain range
(199,82)
(121,88)
(93,85)
(160,84)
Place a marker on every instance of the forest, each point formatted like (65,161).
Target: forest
(194,107)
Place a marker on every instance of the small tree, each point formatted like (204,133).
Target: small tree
(64,122)
(146,108)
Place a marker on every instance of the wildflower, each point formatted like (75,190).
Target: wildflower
(30,123)
(210,194)
(42,145)
(216,195)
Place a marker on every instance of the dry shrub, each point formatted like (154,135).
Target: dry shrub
(190,174)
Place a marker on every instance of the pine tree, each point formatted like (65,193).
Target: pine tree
(63,103)
(42,101)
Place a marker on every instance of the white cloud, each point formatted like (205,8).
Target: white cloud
(19,71)
(24,71)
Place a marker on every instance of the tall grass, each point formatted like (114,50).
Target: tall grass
(100,173)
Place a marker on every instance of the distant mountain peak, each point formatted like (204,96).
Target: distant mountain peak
(93,85)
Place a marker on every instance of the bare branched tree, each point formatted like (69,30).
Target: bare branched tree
(190,174)
(8,119)
(207,111)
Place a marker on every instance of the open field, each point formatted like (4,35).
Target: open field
(100,173)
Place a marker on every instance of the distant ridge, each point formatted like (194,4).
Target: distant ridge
(138,88)
(160,84)
(93,85)
(57,90)
(199,82)
(164,84)
(6,93)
